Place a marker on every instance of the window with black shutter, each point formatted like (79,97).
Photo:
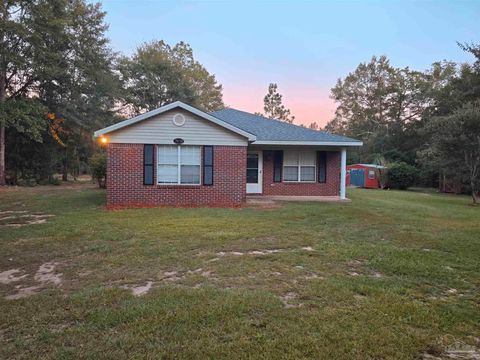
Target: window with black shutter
(322,166)
(277,165)
(208,165)
(148,161)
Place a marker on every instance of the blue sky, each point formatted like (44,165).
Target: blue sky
(304,46)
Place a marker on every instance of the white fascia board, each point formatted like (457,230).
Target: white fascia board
(168,107)
(319,143)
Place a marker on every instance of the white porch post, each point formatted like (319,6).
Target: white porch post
(343,173)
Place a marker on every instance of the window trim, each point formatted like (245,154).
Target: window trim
(299,167)
(179,166)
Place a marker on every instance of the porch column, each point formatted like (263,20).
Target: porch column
(343,173)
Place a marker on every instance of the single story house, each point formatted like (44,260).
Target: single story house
(364,175)
(178,155)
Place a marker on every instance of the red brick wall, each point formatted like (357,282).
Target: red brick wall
(330,188)
(125,180)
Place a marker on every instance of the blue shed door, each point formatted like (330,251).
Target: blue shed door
(357,177)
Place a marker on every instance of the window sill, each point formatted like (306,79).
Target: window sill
(182,186)
(299,182)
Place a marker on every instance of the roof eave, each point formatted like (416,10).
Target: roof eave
(168,107)
(319,143)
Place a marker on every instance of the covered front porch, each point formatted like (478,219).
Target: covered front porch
(296,173)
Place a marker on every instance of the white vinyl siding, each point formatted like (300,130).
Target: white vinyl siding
(299,166)
(161,130)
(178,165)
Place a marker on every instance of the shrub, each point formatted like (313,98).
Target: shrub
(401,175)
(98,167)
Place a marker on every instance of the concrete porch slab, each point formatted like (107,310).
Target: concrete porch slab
(271,199)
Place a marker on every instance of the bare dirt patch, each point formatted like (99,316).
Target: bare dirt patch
(139,290)
(358,267)
(44,276)
(262,252)
(9,276)
(287,300)
(17,218)
(456,351)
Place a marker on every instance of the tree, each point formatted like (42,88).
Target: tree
(314,126)
(17,75)
(384,106)
(401,175)
(273,107)
(85,89)
(455,146)
(158,74)
(56,77)
(98,168)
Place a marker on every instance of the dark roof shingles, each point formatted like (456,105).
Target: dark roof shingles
(274,130)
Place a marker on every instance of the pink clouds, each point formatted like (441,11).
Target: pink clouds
(307,103)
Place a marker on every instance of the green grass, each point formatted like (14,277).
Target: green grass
(376,285)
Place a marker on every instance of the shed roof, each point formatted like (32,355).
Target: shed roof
(370,165)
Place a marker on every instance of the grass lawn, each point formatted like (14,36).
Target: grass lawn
(389,275)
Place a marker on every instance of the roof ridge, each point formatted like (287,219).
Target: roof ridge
(277,120)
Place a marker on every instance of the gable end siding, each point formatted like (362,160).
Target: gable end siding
(161,130)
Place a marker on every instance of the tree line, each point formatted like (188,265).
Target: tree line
(60,80)
(429,120)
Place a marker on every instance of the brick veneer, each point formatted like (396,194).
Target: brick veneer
(125,180)
(330,188)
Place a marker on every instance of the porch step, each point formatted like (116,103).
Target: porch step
(265,200)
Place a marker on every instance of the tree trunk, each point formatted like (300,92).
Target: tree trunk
(2,155)
(3,95)
(65,166)
(474,192)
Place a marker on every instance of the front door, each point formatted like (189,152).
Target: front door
(254,172)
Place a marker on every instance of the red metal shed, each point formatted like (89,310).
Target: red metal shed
(363,175)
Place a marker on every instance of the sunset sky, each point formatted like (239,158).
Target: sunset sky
(303,46)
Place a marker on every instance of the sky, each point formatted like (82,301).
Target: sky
(303,46)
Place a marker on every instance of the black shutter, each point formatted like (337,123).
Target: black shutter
(148,160)
(277,165)
(208,165)
(322,166)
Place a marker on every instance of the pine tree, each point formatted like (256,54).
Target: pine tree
(273,107)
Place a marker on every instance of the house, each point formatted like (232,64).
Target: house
(364,175)
(178,155)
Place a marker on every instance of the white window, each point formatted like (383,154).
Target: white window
(299,166)
(371,174)
(178,165)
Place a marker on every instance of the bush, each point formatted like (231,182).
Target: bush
(28,182)
(98,167)
(401,175)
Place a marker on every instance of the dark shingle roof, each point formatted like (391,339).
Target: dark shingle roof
(273,130)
